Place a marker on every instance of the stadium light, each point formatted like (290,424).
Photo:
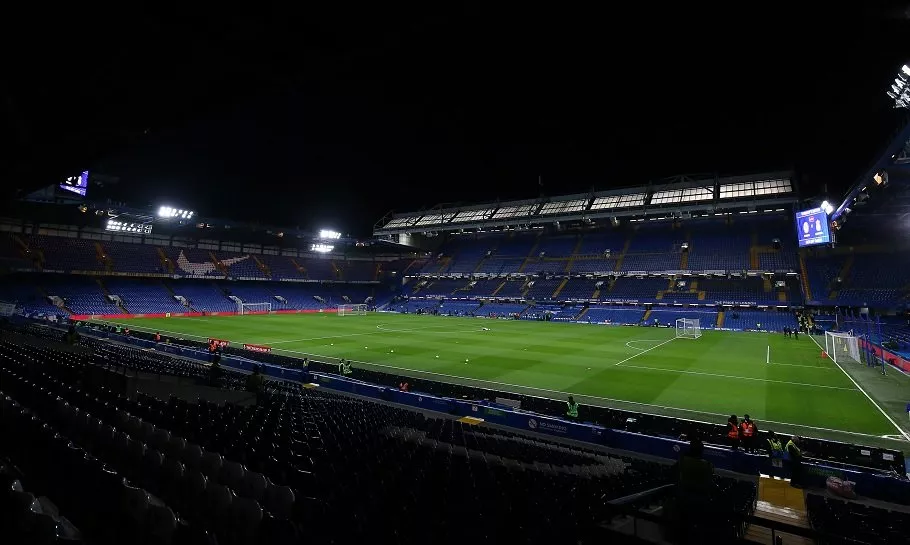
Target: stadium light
(328,234)
(900,89)
(827,207)
(168,212)
(322,248)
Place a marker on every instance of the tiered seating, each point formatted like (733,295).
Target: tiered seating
(441,287)
(635,288)
(707,319)
(204,297)
(11,254)
(557,245)
(749,289)
(281,267)
(142,296)
(749,319)
(135,258)
(876,280)
(67,254)
(513,288)
(581,288)
(543,288)
(26,295)
(501,309)
(595,243)
(716,247)
(823,271)
(240,265)
(358,270)
(458,308)
(597,264)
(785,259)
(82,295)
(856,522)
(614,314)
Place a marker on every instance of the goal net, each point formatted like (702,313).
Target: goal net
(688,328)
(842,347)
(352,310)
(253,308)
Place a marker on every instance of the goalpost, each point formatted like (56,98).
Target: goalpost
(688,328)
(352,310)
(248,308)
(842,347)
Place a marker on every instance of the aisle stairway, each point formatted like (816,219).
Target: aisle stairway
(262,266)
(166,263)
(560,287)
(622,254)
(804,277)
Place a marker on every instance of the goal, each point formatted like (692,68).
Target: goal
(253,308)
(352,310)
(688,328)
(842,347)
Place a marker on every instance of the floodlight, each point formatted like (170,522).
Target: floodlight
(827,207)
(322,248)
(329,234)
(167,212)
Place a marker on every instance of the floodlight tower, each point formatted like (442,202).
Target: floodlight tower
(900,89)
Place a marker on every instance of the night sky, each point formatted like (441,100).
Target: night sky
(331,121)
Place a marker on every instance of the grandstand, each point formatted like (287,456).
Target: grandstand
(719,251)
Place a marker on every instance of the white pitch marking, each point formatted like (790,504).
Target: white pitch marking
(899,429)
(687,372)
(628,343)
(645,351)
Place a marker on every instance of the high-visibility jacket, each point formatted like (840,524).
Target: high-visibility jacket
(733,431)
(777,450)
(747,429)
(572,409)
(793,451)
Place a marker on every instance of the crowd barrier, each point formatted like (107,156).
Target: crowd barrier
(121,316)
(893,358)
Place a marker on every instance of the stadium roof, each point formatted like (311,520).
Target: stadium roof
(673,198)
(890,172)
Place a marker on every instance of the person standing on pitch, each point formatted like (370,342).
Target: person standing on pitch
(572,408)
(748,432)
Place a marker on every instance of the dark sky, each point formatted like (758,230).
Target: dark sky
(332,120)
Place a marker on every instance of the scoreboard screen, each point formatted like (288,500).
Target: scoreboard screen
(76,184)
(812,227)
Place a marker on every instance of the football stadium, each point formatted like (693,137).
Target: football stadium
(704,358)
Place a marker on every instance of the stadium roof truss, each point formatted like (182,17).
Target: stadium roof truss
(677,197)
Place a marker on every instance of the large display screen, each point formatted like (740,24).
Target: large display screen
(812,227)
(76,184)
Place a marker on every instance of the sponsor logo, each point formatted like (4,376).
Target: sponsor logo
(532,423)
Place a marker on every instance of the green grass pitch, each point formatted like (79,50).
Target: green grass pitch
(637,368)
